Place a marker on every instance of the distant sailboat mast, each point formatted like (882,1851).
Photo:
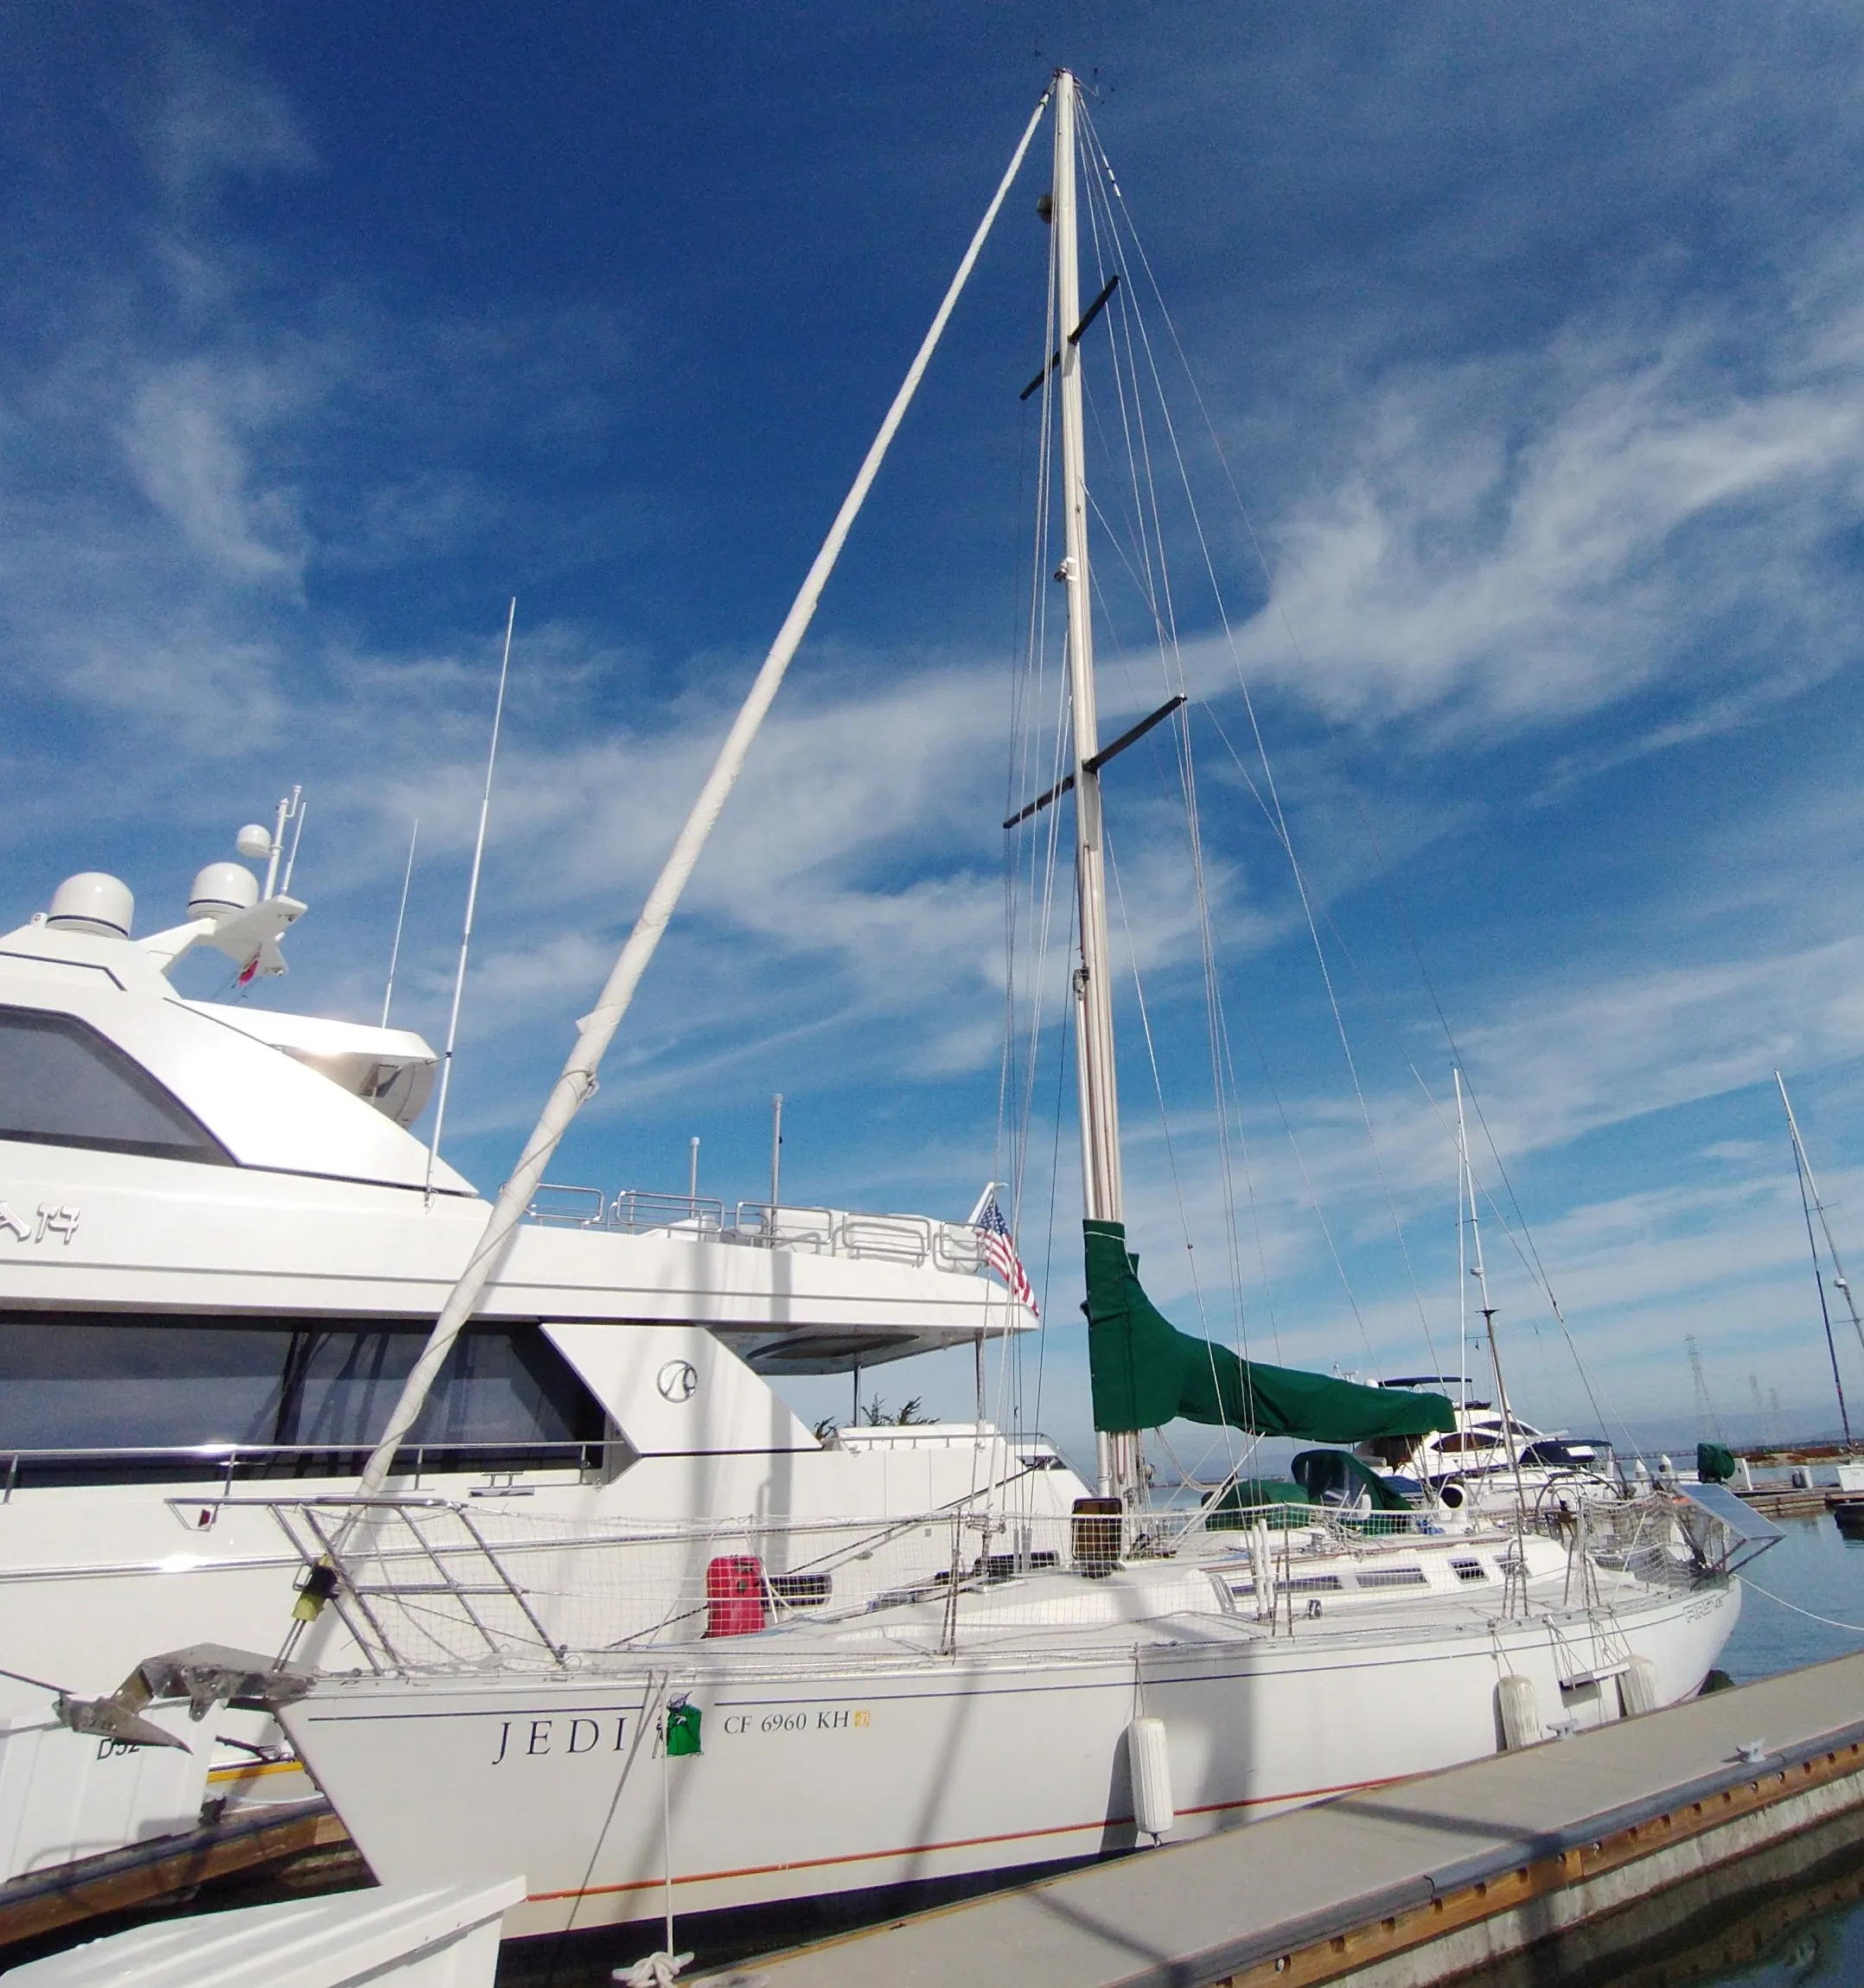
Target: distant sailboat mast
(1478,1269)
(1810,1204)
(1119,1464)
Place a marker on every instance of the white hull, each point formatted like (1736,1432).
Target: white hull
(828,1770)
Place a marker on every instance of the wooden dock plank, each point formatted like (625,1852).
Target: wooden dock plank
(122,1880)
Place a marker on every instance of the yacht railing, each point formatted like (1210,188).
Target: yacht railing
(247,1463)
(638,1211)
(916,1241)
(434,1583)
(571,1207)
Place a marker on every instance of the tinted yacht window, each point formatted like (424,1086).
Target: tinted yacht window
(319,1389)
(61,1083)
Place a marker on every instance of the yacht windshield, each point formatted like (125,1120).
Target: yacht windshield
(62,1084)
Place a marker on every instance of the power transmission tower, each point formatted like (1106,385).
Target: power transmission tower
(1707,1426)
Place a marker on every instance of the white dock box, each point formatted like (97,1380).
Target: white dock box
(439,1936)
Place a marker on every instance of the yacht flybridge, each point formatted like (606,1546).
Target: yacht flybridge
(221,1250)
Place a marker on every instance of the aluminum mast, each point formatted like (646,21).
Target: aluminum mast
(1515,1589)
(1118,1462)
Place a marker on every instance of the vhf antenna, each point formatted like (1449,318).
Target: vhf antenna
(291,807)
(472,900)
(401,918)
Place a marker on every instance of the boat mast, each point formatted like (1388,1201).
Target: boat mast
(1118,1462)
(1809,1200)
(1462,1261)
(1478,1269)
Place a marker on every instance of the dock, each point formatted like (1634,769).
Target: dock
(1555,1848)
(300,1844)
(1795,1502)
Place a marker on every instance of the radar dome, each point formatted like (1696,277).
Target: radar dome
(90,901)
(253,842)
(222,888)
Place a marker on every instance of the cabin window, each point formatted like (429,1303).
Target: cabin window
(315,1392)
(62,1084)
(1469,1439)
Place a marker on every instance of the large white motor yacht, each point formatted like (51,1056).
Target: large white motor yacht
(221,1249)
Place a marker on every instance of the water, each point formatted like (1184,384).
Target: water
(1817,1932)
(1828,1949)
(1816,1569)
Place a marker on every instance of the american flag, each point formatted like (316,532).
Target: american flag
(999,1252)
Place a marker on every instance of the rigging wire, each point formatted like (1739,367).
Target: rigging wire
(1296,868)
(1531,1252)
(1518,1234)
(1136,533)
(1164,1120)
(1518,1231)
(1154,581)
(1831,1621)
(1031,702)
(1055,1181)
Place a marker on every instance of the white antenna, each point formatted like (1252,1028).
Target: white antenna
(287,807)
(693,1175)
(472,900)
(776,1154)
(401,918)
(297,836)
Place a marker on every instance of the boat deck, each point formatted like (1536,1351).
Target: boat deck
(1418,1880)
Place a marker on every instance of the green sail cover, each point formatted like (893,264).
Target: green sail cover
(1147,1372)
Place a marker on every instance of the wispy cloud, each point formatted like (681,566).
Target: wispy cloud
(216,119)
(187,440)
(1520,542)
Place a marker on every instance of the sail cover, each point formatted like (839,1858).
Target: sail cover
(1145,1372)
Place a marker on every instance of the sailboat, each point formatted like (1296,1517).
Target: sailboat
(757,1709)
(1849,1508)
(1492,1458)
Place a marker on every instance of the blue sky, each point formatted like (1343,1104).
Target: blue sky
(1536,343)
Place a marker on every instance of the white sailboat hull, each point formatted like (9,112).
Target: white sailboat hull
(823,1777)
